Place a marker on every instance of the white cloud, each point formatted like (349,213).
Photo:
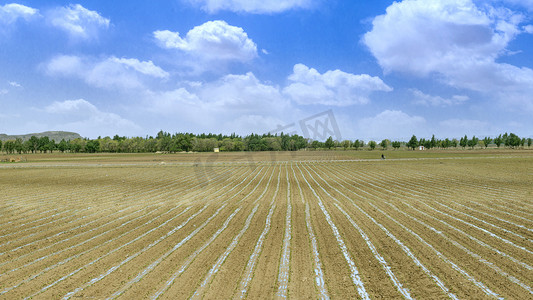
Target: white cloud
(422,37)
(211,41)
(392,124)
(243,103)
(239,94)
(253,6)
(14,84)
(336,87)
(111,72)
(72,107)
(77,21)
(143,67)
(65,65)
(83,117)
(523,3)
(429,100)
(171,102)
(9,13)
(528,28)
(233,103)
(454,39)
(243,93)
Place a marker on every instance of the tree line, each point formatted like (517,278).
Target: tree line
(510,140)
(180,142)
(162,142)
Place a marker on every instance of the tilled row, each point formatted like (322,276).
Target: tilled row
(407,205)
(273,229)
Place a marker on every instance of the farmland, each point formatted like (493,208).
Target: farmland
(335,224)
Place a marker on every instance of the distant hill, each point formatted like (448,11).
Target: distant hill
(53,135)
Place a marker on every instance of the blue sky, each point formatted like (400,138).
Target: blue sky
(385,69)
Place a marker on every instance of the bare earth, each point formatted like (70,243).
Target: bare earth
(303,225)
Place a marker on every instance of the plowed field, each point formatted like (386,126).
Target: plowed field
(267,226)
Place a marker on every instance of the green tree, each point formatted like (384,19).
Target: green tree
(427,144)
(0,145)
(51,146)
(254,142)
(372,145)
(239,145)
(77,145)
(433,142)
(63,146)
(9,146)
(329,143)
(92,146)
(498,141)
(413,142)
(454,143)
(346,144)
(19,146)
(396,144)
(506,140)
(273,143)
(512,140)
(33,144)
(486,141)
(446,143)
(529,142)
(227,144)
(423,142)
(43,144)
(183,141)
(463,142)
(357,144)
(384,144)
(473,142)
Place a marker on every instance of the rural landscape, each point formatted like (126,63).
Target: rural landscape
(266,149)
(303,224)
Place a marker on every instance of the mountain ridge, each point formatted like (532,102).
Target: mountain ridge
(57,136)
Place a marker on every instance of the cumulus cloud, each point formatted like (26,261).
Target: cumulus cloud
(72,107)
(246,104)
(243,93)
(393,124)
(454,39)
(10,13)
(253,6)
(429,100)
(239,94)
(77,21)
(171,102)
(241,103)
(420,37)
(211,41)
(85,118)
(143,67)
(112,72)
(337,88)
